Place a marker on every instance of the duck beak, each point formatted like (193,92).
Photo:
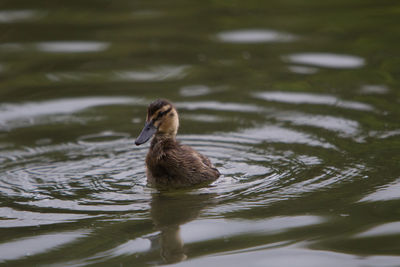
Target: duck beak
(148,131)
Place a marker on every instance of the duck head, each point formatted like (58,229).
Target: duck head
(162,118)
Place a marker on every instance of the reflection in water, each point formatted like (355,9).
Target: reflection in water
(254,36)
(195,90)
(11,16)
(11,47)
(72,47)
(303,69)
(202,230)
(273,133)
(66,47)
(310,98)
(16,218)
(277,94)
(159,73)
(17,115)
(343,126)
(101,138)
(168,212)
(382,230)
(374,89)
(29,246)
(388,192)
(212,105)
(203,118)
(290,255)
(385,134)
(326,60)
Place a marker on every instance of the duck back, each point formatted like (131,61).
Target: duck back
(171,164)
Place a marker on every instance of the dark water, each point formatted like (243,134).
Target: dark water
(296,102)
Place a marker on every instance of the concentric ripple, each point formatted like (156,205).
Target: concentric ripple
(99,177)
(296,103)
(104,172)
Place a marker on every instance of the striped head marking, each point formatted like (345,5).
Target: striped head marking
(158,109)
(162,118)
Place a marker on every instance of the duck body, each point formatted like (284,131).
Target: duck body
(169,163)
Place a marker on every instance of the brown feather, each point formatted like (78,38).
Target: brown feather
(169,163)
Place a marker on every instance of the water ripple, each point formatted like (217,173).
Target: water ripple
(159,73)
(289,255)
(386,229)
(11,16)
(273,133)
(326,60)
(310,98)
(378,89)
(72,47)
(205,229)
(28,246)
(101,175)
(388,192)
(15,218)
(346,127)
(214,105)
(19,115)
(254,36)
(303,69)
(194,90)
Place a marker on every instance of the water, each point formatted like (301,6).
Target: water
(296,103)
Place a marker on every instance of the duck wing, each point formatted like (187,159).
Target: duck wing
(189,166)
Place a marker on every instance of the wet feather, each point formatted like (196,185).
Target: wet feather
(169,163)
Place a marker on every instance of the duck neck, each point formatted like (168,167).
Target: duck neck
(160,138)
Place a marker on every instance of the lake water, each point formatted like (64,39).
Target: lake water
(296,102)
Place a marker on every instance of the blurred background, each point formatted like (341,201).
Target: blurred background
(296,102)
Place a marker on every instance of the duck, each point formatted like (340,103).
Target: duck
(168,162)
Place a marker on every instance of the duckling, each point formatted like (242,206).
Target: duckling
(169,163)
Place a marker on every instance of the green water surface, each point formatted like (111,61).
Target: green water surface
(297,103)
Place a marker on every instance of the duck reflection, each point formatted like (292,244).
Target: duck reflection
(168,211)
